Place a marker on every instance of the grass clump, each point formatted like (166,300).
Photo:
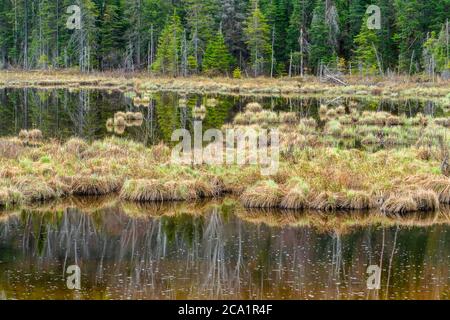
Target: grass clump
(93,185)
(254,107)
(34,189)
(296,195)
(264,194)
(10,196)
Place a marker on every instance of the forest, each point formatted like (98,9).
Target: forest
(227,37)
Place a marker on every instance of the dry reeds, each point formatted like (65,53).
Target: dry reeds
(254,107)
(34,188)
(10,148)
(265,194)
(93,185)
(296,196)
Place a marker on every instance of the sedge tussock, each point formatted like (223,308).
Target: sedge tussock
(265,194)
(75,146)
(254,107)
(10,196)
(93,185)
(34,188)
(296,195)
(143,190)
(399,204)
(11,148)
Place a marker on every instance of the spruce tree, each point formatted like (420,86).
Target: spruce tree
(168,54)
(320,51)
(217,58)
(257,33)
(366,43)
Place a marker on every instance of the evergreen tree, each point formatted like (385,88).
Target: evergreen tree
(320,50)
(169,48)
(435,52)
(257,33)
(217,58)
(409,34)
(232,23)
(365,54)
(200,22)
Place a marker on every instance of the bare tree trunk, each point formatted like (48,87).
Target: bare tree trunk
(447,39)
(301,53)
(290,66)
(273,55)
(25,48)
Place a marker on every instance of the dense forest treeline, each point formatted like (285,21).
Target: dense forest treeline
(232,37)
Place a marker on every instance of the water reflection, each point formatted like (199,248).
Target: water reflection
(219,251)
(63,113)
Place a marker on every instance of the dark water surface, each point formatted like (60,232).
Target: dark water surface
(63,113)
(215,251)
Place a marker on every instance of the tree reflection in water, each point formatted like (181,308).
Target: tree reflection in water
(209,251)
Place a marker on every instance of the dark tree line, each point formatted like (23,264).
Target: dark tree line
(233,37)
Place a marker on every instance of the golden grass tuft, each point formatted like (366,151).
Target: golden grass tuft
(143,190)
(288,117)
(296,195)
(265,194)
(35,135)
(357,200)
(254,107)
(399,204)
(10,196)
(11,148)
(75,146)
(325,201)
(340,110)
(34,188)
(426,200)
(93,185)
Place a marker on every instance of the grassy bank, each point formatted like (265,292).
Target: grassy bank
(357,86)
(321,178)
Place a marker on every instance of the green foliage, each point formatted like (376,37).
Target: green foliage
(436,50)
(168,57)
(117,34)
(366,48)
(237,73)
(217,58)
(320,50)
(257,33)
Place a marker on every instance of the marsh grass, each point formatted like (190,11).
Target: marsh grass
(336,179)
(265,194)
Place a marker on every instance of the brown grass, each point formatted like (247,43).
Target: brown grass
(265,194)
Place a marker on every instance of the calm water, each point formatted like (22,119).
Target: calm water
(65,113)
(207,251)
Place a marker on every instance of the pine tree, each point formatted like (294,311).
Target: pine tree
(435,52)
(409,34)
(320,50)
(366,43)
(169,48)
(257,33)
(200,21)
(217,58)
(232,23)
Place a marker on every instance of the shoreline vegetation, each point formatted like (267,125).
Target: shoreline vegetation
(319,177)
(341,222)
(141,83)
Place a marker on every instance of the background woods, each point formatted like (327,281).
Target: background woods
(227,37)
